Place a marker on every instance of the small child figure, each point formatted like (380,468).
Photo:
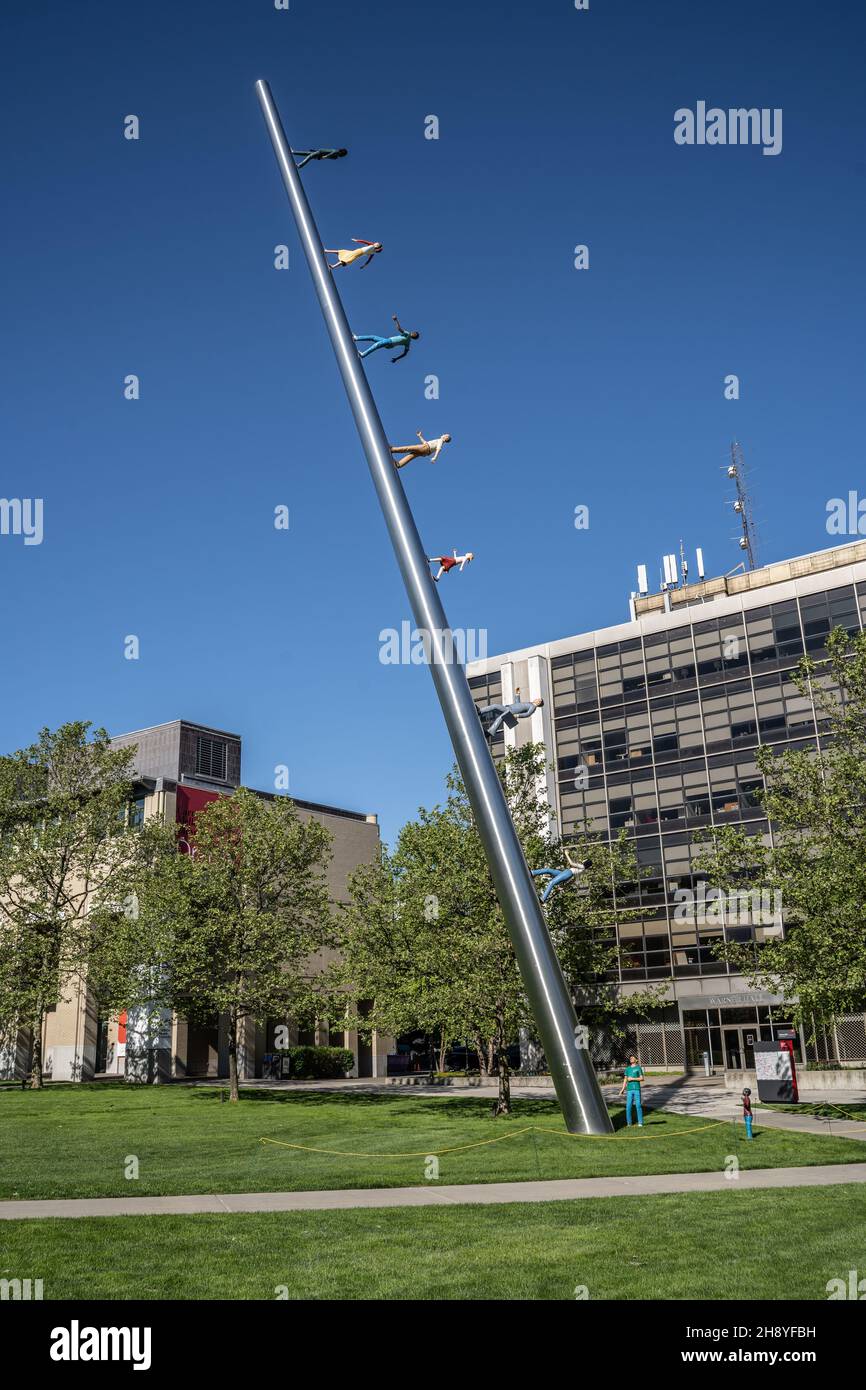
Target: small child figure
(447,562)
(747,1111)
(362,248)
(428,448)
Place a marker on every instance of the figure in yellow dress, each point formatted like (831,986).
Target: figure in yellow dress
(362,248)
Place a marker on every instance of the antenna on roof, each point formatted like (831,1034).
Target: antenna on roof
(743,504)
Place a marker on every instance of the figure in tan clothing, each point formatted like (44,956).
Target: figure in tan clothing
(428,448)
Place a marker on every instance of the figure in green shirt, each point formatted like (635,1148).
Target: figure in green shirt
(631,1085)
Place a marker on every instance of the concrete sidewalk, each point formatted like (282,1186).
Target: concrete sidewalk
(708,1097)
(485,1194)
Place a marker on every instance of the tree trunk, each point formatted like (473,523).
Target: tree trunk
(443,1048)
(503,1100)
(482,1060)
(36,1080)
(234,1093)
(491,1048)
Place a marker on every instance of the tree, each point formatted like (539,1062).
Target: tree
(815,800)
(424,937)
(234,926)
(65,834)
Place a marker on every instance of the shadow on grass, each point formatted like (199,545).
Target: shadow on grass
(454,1107)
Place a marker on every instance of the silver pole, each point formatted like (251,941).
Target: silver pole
(576,1085)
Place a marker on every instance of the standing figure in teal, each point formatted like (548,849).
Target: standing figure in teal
(402,339)
(631,1085)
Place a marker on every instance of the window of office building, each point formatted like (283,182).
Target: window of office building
(774,634)
(681,872)
(644,951)
(783,712)
(683,796)
(632,802)
(574,682)
(584,809)
(620,671)
(822,613)
(729,716)
(670,660)
(720,647)
(626,737)
(676,727)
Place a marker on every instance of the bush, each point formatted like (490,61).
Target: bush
(318,1063)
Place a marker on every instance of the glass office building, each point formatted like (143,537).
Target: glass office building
(652,727)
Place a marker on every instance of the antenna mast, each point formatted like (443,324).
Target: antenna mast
(743,504)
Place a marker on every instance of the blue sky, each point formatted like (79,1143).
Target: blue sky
(561,387)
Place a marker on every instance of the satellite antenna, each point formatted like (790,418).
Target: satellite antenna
(642,585)
(700,559)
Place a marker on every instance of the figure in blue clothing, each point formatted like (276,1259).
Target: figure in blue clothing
(559,876)
(631,1080)
(747,1111)
(494,716)
(401,339)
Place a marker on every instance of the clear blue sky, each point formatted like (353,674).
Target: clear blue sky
(560,387)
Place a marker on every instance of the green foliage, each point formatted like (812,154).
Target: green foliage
(234,927)
(815,799)
(424,937)
(318,1063)
(65,835)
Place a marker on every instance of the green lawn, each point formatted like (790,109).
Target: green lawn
(825,1110)
(74,1141)
(720,1245)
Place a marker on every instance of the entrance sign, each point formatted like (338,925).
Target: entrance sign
(775,1071)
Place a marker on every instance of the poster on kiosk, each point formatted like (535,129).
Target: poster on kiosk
(776,1071)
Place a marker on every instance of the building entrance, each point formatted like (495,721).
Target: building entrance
(740,1048)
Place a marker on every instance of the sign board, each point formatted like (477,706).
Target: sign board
(775,1071)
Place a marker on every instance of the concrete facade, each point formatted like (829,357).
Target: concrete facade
(651,727)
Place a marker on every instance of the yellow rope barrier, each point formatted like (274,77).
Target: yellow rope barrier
(479,1143)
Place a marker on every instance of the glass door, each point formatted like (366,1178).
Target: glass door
(733,1049)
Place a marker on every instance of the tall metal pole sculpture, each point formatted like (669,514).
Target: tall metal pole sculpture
(576,1085)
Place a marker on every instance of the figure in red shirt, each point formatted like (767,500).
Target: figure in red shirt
(449,562)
